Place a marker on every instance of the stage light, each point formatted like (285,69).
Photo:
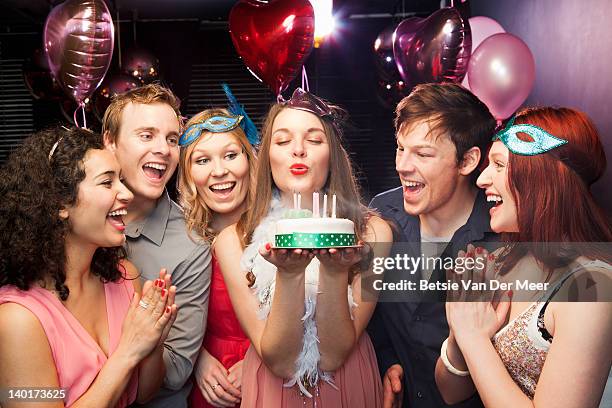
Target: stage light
(324,20)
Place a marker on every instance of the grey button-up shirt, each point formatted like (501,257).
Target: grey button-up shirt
(162,241)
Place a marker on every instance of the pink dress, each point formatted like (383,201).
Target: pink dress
(78,358)
(357,381)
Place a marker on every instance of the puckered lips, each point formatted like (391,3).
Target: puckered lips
(115,218)
(222,190)
(299,169)
(496,199)
(412,189)
(155,171)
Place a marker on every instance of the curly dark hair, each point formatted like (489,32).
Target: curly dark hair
(38,180)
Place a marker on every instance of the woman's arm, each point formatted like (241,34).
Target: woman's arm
(283,333)
(338,334)
(576,366)
(20,330)
(453,388)
(278,339)
(228,251)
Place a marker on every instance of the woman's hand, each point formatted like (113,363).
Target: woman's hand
(148,319)
(235,375)
(339,259)
(470,310)
(287,261)
(167,281)
(214,383)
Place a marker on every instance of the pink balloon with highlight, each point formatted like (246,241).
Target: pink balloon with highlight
(482,28)
(501,73)
(78,40)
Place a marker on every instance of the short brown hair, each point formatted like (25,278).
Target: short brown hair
(450,109)
(146,95)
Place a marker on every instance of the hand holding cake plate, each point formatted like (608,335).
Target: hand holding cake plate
(287,260)
(339,259)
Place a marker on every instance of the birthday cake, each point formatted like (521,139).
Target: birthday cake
(300,228)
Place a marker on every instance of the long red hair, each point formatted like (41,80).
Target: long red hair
(554,203)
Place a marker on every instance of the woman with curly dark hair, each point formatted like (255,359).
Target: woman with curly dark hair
(66,297)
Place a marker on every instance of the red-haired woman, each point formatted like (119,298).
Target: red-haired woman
(539,350)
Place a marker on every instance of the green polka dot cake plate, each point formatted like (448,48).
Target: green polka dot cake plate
(315,232)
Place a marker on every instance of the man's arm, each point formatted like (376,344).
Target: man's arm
(385,353)
(192,280)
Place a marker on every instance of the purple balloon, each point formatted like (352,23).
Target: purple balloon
(142,65)
(383,49)
(79,39)
(435,49)
(482,28)
(113,85)
(501,73)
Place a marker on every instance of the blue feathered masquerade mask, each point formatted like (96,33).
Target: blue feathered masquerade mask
(220,124)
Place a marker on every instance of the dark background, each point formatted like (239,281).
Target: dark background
(571,42)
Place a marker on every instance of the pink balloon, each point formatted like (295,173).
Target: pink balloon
(501,73)
(482,28)
(79,38)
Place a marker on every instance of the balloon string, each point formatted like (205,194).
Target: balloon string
(305,80)
(74,116)
(84,117)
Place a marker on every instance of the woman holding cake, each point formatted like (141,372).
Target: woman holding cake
(217,165)
(298,357)
(554,351)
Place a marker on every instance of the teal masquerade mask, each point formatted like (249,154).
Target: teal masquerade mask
(542,140)
(222,123)
(215,124)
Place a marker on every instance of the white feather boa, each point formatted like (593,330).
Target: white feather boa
(307,370)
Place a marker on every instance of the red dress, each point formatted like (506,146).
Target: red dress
(224,338)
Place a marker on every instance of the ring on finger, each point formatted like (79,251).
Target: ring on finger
(143,304)
(214,386)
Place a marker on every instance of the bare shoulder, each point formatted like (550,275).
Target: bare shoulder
(21,330)
(16,321)
(132,274)
(227,242)
(592,315)
(131,270)
(378,230)
(227,236)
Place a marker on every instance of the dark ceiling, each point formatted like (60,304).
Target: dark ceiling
(218,10)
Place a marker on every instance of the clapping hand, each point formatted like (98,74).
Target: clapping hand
(471,310)
(149,318)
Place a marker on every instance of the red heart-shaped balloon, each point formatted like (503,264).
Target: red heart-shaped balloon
(435,49)
(273,38)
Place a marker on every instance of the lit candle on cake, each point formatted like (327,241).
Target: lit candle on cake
(334,206)
(299,201)
(295,201)
(315,205)
(324,205)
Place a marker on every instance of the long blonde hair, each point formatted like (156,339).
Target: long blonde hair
(197,214)
(340,180)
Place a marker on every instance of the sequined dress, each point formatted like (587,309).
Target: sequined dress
(523,343)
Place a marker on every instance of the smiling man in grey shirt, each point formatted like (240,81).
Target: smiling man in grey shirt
(142,128)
